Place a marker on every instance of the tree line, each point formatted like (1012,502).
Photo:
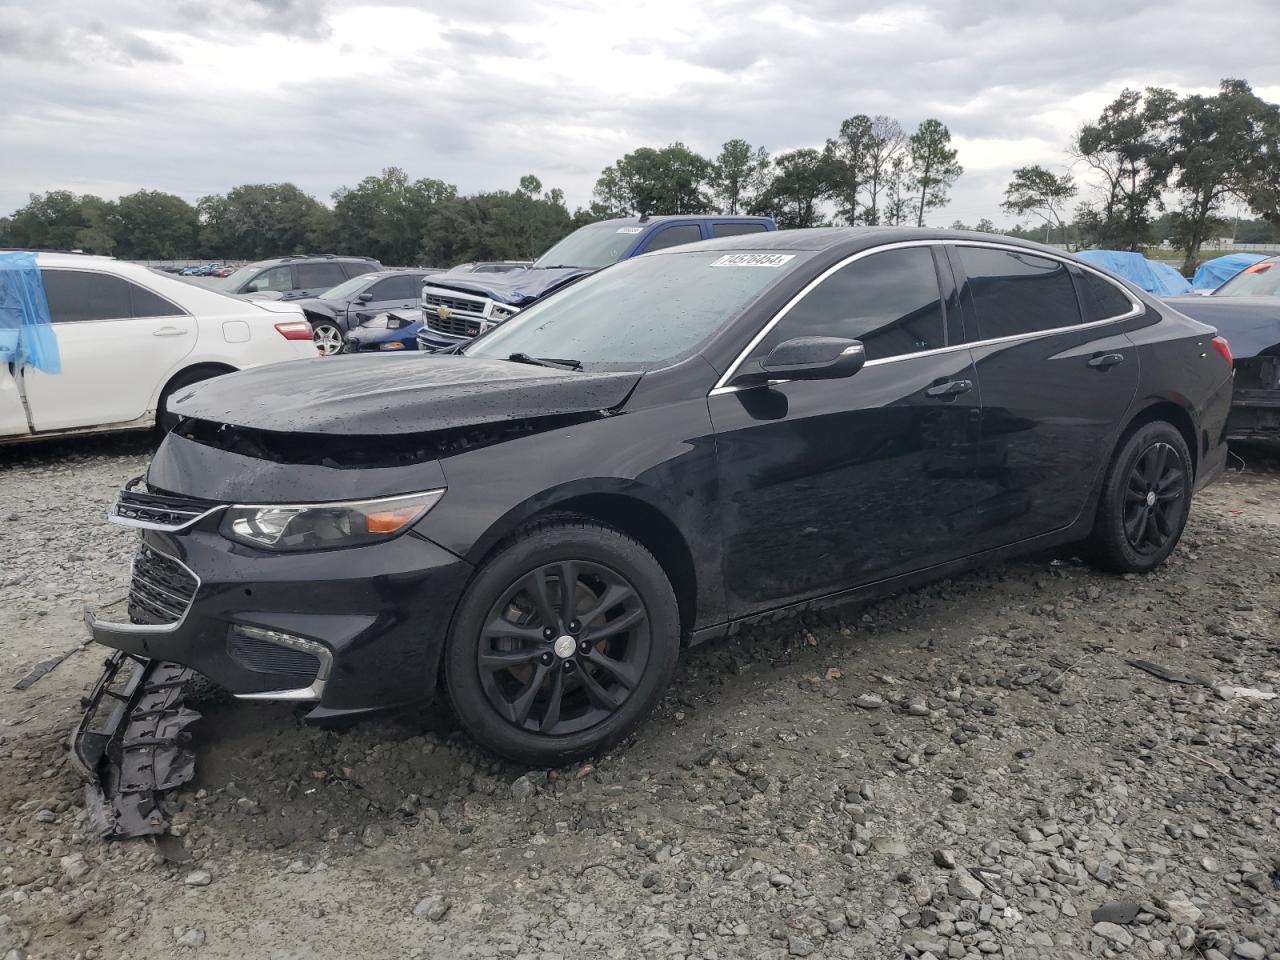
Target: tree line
(1164,167)
(872,171)
(1159,167)
(388,216)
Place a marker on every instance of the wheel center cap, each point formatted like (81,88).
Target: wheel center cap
(1151,498)
(565,647)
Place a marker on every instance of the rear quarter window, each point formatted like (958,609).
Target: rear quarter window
(1101,299)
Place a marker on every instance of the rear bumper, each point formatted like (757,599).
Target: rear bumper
(348,630)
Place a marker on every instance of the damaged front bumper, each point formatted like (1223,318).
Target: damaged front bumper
(1255,404)
(132,744)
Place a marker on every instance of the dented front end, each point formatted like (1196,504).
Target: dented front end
(1255,403)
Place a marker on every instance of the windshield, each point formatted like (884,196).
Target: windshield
(348,288)
(1260,280)
(237,277)
(640,312)
(591,247)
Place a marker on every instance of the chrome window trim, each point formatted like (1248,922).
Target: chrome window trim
(1137,309)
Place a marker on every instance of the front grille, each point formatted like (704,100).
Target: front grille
(292,668)
(464,316)
(453,325)
(163,511)
(453,302)
(160,590)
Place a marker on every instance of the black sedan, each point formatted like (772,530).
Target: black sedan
(675,446)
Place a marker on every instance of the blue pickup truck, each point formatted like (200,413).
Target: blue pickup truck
(459,306)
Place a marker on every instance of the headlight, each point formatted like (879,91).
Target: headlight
(498,313)
(391,345)
(325,526)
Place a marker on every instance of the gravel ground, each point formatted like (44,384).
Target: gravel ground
(823,788)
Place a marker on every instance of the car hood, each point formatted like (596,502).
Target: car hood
(1250,324)
(518,288)
(320,305)
(371,395)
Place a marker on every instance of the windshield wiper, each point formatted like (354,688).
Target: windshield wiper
(545,361)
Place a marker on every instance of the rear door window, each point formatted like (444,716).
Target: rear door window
(673,236)
(889,301)
(77,296)
(319,276)
(396,288)
(1015,293)
(736,229)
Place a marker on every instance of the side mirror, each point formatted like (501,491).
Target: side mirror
(364,297)
(814,358)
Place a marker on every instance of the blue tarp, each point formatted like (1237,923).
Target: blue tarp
(26,333)
(1149,275)
(1212,274)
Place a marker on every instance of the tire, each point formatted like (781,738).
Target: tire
(545,697)
(327,336)
(166,421)
(1145,500)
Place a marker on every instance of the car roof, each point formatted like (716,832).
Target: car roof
(390,273)
(665,217)
(313,257)
(850,239)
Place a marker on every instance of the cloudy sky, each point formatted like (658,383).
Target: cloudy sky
(195,97)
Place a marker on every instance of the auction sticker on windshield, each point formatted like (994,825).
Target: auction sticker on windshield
(753,260)
(631,229)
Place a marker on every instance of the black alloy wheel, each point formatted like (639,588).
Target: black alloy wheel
(563,642)
(564,647)
(1152,498)
(1145,500)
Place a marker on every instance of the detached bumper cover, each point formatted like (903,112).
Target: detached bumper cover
(132,744)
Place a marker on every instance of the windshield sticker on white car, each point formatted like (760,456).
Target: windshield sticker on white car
(631,229)
(774,260)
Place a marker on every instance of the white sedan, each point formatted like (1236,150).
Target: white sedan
(129,337)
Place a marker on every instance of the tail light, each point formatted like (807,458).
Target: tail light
(1224,349)
(295,330)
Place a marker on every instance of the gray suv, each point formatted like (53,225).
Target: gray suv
(288,278)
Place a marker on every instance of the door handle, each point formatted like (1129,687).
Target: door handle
(169,332)
(952,388)
(1106,360)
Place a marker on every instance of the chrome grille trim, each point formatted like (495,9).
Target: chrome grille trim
(143,591)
